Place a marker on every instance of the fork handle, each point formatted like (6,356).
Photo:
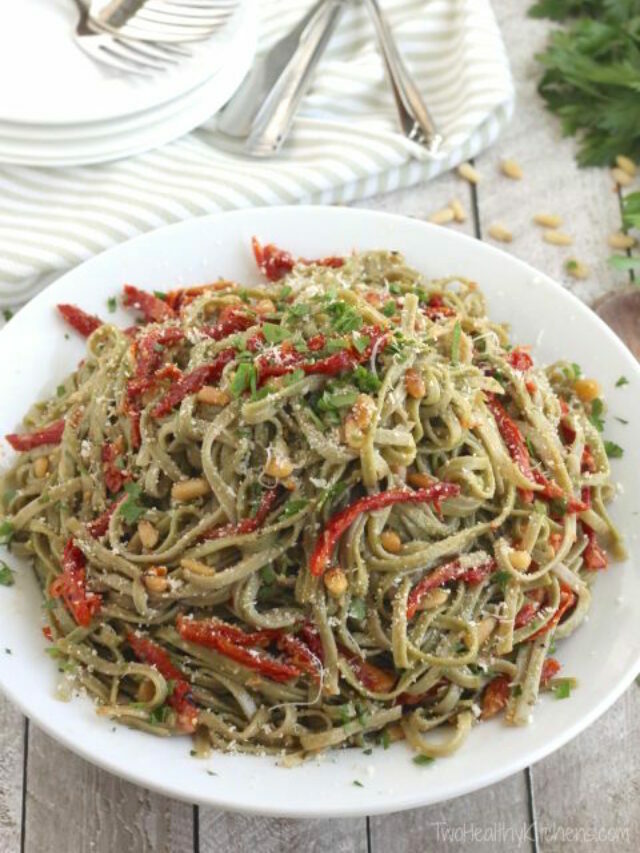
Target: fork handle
(273,120)
(411,108)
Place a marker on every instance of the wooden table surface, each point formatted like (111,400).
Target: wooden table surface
(584,797)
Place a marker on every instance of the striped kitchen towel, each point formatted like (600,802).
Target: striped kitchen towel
(345,144)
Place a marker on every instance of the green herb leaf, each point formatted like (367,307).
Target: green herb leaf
(358,609)
(7,313)
(244,377)
(8,496)
(502,578)
(422,760)
(361,342)
(293,507)
(562,689)
(516,690)
(275,334)
(131,509)
(336,345)
(621,420)
(159,715)
(623,262)
(558,506)
(6,532)
(6,575)
(285,291)
(340,399)
(622,381)
(455,343)
(160,294)
(112,304)
(385,739)
(389,308)
(297,375)
(358,784)
(367,751)
(613,450)
(596,414)
(591,76)
(577,370)
(365,380)
(267,574)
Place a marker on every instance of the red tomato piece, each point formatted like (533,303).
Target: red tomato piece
(79,319)
(51,434)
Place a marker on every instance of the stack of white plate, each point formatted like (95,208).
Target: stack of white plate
(58,107)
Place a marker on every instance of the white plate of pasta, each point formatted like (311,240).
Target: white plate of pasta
(274,526)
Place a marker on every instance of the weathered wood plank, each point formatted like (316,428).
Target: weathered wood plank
(12,728)
(587,794)
(496,818)
(222,831)
(73,806)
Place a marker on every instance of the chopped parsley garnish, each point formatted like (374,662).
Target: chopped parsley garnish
(358,784)
(357,609)
(244,379)
(367,751)
(112,304)
(157,347)
(395,288)
(7,313)
(338,399)
(267,574)
(516,690)
(385,739)
(622,381)
(61,391)
(571,265)
(6,532)
(131,509)
(6,575)
(363,715)
(293,507)
(558,506)
(389,308)
(422,760)
(298,310)
(597,409)
(211,773)
(361,342)
(336,345)
(455,343)
(160,294)
(274,334)
(365,380)
(613,450)
(344,318)
(623,262)
(502,578)
(285,291)
(621,420)
(577,370)
(562,689)
(297,375)
(530,446)
(159,715)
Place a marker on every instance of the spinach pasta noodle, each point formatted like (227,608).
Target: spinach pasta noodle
(333,509)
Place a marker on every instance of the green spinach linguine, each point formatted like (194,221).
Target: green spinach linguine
(336,508)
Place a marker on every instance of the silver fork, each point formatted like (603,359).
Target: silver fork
(162,20)
(120,53)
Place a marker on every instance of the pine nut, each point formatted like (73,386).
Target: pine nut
(363,410)
(420,480)
(499,232)
(264,306)
(520,560)
(511,169)
(278,466)
(146,691)
(154,583)
(441,217)
(148,534)
(626,164)
(548,220)
(196,567)
(576,269)
(40,467)
(391,542)
(466,171)
(336,582)
(189,490)
(459,213)
(485,629)
(557,238)
(414,384)
(621,177)
(619,240)
(212,396)
(586,389)
(434,598)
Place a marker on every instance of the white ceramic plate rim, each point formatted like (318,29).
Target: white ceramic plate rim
(181,117)
(606,647)
(241,44)
(118,94)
